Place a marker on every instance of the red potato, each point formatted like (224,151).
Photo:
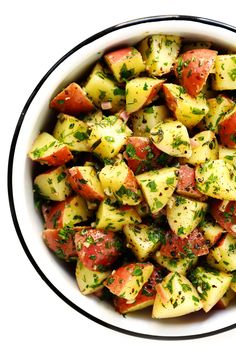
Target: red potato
(145,296)
(193,67)
(227,130)
(72,100)
(125,63)
(48,150)
(71,211)
(61,242)
(225,215)
(97,249)
(186,184)
(84,181)
(127,281)
(192,245)
(141,154)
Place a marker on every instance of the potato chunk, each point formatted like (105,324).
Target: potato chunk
(175,297)
(159,53)
(216,179)
(172,137)
(142,239)
(188,110)
(225,72)
(158,186)
(211,285)
(184,214)
(108,137)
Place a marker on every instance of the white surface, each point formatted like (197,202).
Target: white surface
(33,37)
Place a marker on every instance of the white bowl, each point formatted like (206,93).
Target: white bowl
(28,223)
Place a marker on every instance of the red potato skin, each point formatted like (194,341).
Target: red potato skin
(147,293)
(58,158)
(72,100)
(115,282)
(177,247)
(193,67)
(171,101)
(118,55)
(76,181)
(186,184)
(96,248)
(145,157)
(55,243)
(225,218)
(227,131)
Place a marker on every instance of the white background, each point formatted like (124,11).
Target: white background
(33,36)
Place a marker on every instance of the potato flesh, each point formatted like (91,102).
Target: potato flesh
(158,187)
(216,179)
(184,214)
(175,297)
(225,71)
(211,285)
(172,138)
(159,53)
(72,132)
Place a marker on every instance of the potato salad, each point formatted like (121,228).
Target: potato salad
(136,180)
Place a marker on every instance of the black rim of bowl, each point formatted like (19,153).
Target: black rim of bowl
(11,162)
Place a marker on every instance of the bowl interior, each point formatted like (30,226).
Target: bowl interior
(35,118)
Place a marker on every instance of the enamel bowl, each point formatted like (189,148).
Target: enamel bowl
(27,221)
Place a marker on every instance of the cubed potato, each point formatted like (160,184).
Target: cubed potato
(72,132)
(125,63)
(188,110)
(211,285)
(108,137)
(177,247)
(101,88)
(218,107)
(61,242)
(224,302)
(71,211)
(159,53)
(193,67)
(171,137)
(187,184)
(204,147)
(72,100)
(216,179)
(224,212)
(158,186)
(179,265)
(140,92)
(211,231)
(228,155)
(184,214)
(127,281)
(53,184)
(142,239)
(145,297)
(226,129)
(84,181)
(225,72)
(224,252)
(110,217)
(145,119)
(118,180)
(175,297)
(48,150)
(97,249)
(89,280)
(141,154)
